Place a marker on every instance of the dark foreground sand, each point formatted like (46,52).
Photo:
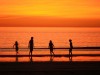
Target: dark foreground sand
(50,68)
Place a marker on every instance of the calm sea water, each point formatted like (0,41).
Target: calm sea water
(84,37)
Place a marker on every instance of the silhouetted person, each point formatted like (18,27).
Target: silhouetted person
(31,45)
(71,46)
(51,47)
(16,46)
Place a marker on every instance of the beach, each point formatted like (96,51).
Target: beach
(49,68)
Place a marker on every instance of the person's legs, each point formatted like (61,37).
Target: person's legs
(50,53)
(31,52)
(17,50)
(71,52)
(53,53)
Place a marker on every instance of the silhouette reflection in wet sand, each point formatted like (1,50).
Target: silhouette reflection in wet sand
(51,46)
(16,58)
(51,58)
(70,58)
(30,57)
(31,45)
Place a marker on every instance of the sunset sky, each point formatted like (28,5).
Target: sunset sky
(47,13)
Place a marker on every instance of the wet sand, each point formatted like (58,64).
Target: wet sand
(50,68)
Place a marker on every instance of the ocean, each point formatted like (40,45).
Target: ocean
(81,37)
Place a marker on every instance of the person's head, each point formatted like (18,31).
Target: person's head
(31,38)
(50,40)
(70,40)
(16,42)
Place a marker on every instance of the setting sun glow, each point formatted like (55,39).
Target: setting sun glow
(49,13)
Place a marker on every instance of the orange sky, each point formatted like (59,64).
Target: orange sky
(49,13)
